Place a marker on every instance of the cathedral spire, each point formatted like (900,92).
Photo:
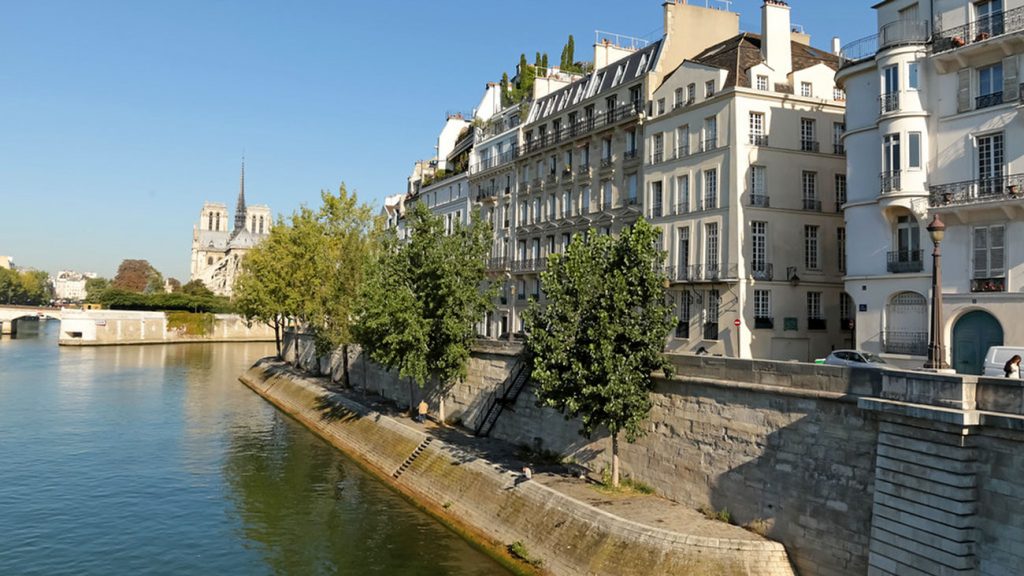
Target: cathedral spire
(240,206)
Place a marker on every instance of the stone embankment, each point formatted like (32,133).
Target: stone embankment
(115,327)
(440,469)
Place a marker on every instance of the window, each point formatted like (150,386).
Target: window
(815,320)
(841,248)
(682,194)
(912,82)
(682,141)
(757,187)
(634,97)
(535,249)
(806,90)
(678,96)
(846,311)
(661,106)
(567,161)
(757,136)
(709,88)
(914,150)
(209,260)
(838,94)
(758,249)
(710,189)
(809,186)
(691,93)
(890,162)
(989,258)
(566,204)
(762,309)
(631,188)
(209,223)
(683,324)
(218,221)
(711,249)
(566,240)
(990,85)
(656,200)
(606,194)
(657,148)
(537,214)
(552,206)
(585,156)
(710,133)
(683,257)
(840,191)
(989,16)
(990,164)
(808,139)
(522,213)
(585,202)
(609,108)
(606,150)
(631,143)
(811,248)
(711,304)
(837,137)
(762,82)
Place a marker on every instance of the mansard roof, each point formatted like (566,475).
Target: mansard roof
(743,51)
(596,83)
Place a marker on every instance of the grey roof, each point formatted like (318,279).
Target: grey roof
(214,240)
(598,82)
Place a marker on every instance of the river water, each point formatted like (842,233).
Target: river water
(156,460)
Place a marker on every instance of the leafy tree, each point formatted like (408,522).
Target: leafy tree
(12,291)
(197,288)
(601,333)
(94,287)
(36,287)
(422,298)
(154,282)
(263,289)
(133,275)
(175,284)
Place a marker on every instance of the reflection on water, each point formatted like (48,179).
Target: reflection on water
(156,460)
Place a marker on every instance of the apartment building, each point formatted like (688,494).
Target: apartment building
(442,183)
(579,165)
(744,174)
(934,101)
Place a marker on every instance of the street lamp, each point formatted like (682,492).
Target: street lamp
(936,349)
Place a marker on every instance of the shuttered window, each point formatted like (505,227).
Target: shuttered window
(989,251)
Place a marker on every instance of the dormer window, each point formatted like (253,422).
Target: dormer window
(806,90)
(709,88)
(762,82)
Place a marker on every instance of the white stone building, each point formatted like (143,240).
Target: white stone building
(217,252)
(744,174)
(69,285)
(934,111)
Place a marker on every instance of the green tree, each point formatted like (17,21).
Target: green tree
(423,297)
(12,291)
(174,283)
(94,287)
(263,289)
(154,282)
(36,287)
(133,275)
(197,288)
(601,332)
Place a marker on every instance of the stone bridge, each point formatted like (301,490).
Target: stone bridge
(10,316)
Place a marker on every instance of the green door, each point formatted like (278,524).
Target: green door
(973,334)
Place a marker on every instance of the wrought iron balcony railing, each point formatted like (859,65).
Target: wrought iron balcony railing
(809,146)
(890,181)
(986,100)
(839,149)
(759,139)
(682,151)
(977,191)
(759,200)
(682,208)
(889,102)
(812,204)
(979,30)
(898,33)
(761,270)
(902,261)
(709,144)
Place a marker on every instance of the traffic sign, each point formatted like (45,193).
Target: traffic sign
(736,322)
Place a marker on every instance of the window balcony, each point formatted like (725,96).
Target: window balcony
(839,149)
(759,200)
(682,151)
(903,261)
(991,26)
(630,155)
(682,208)
(890,181)
(488,194)
(898,33)
(658,157)
(988,284)
(497,264)
(583,168)
(758,139)
(889,102)
(902,342)
(979,191)
(816,324)
(711,330)
(763,323)
(708,144)
(761,271)
(986,100)
(812,204)
(809,146)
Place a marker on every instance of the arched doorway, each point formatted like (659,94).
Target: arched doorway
(906,325)
(973,334)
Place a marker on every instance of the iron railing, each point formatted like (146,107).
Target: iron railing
(903,342)
(890,181)
(812,204)
(977,191)
(996,284)
(978,30)
(708,144)
(761,270)
(582,127)
(494,161)
(759,200)
(986,100)
(898,33)
(809,146)
(889,102)
(759,139)
(682,150)
(838,149)
(902,261)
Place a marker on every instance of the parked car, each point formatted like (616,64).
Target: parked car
(854,358)
(996,358)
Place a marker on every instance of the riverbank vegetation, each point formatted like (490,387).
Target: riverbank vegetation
(26,288)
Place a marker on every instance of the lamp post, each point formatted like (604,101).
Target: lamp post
(936,349)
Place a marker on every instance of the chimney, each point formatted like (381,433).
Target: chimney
(776,37)
(836,48)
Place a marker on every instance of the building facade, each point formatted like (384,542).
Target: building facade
(69,286)
(217,250)
(934,105)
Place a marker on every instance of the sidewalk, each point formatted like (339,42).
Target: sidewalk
(647,509)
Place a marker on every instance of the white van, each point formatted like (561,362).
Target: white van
(997,356)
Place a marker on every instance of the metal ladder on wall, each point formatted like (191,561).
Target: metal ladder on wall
(509,389)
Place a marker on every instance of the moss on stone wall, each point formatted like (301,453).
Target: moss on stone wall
(190,323)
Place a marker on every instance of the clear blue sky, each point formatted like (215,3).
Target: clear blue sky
(118,119)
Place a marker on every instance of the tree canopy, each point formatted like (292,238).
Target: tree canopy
(601,332)
(423,296)
(138,276)
(26,287)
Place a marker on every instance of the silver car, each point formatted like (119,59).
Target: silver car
(855,359)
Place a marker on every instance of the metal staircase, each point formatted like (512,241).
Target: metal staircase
(504,395)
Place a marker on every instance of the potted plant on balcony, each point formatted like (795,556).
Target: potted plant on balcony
(981,36)
(956,41)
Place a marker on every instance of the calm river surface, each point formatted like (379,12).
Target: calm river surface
(156,460)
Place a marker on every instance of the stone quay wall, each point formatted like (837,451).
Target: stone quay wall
(854,471)
(569,536)
(113,327)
